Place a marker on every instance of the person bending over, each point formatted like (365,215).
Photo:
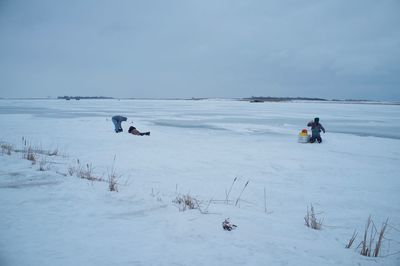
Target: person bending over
(134,131)
(117,120)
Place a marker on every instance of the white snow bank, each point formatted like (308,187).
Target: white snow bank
(197,148)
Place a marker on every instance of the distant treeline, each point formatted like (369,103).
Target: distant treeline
(280,99)
(253,99)
(83,97)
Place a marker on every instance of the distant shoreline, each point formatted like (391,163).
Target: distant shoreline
(253,99)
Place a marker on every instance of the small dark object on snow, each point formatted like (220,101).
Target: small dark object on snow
(134,131)
(227,225)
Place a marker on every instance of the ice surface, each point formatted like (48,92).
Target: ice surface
(358,119)
(197,147)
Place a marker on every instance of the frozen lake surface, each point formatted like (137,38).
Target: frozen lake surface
(380,120)
(197,148)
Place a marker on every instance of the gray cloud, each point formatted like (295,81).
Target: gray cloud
(331,49)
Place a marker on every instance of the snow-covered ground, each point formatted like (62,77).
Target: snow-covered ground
(197,148)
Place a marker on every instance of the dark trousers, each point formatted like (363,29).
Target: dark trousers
(317,138)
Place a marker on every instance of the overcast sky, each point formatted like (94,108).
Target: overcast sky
(205,48)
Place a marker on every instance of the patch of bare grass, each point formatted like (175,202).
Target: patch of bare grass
(30,155)
(83,171)
(186,202)
(371,244)
(38,149)
(6,148)
(311,219)
(113,178)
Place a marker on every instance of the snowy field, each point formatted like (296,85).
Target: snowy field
(197,148)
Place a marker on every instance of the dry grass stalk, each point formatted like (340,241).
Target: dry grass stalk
(311,220)
(87,173)
(237,200)
(113,178)
(351,240)
(380,238)
(113,183)
(43,164)
(74,169)
(71,170)
(265,200)
(30,155)
(24,144)
(365,249)
(368,242)
(230,189)
(197,205)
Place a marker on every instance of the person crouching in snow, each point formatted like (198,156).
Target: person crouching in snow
(316,128)
(134,131)
(117,120)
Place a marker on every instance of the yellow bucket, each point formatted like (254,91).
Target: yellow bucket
(303,136)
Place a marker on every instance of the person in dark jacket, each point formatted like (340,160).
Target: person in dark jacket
(316,128)
(134,131)
(117,120)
